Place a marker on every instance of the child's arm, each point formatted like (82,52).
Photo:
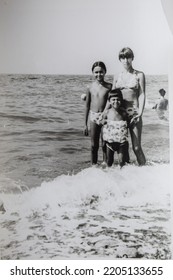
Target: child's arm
(114,82)
(108,105)
(87,109)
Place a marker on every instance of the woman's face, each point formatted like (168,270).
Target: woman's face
(126,62)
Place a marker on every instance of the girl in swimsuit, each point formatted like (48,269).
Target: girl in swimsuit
(132,84)
(96,99)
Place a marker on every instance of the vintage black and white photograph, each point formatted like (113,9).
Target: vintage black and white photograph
(84,130)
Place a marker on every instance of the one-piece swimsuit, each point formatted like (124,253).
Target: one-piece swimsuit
(115,135)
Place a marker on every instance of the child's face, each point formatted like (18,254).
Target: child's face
(115,102)
(99,73)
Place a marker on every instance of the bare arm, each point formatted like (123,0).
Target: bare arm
(141,98)
(114,83)
(142,95)
(108,105)
(87,109)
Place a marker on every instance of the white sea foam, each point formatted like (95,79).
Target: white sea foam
(95,211)
(137,185)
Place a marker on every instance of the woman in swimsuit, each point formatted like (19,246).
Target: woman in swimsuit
(132,85)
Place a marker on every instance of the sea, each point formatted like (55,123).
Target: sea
(53,203)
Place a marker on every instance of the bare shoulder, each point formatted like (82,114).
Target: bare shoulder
(140,74)
(108,85)
(90,87)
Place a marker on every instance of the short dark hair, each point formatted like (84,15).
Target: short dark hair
(99,63)
(162,92)
(126,52)
(115,93)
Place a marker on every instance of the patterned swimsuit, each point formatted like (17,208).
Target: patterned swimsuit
(115,131)
(115,135)
(132,84)
(96,117)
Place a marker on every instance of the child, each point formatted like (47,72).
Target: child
(96,100)
(115,130)
(162,105)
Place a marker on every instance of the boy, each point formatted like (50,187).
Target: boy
(96,100)
(162,105)
(115,130)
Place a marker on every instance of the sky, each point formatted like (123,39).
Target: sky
(68,36)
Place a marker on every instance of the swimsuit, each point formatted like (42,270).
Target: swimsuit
(118,147)
(131,111)
(133,84)
(115,134)
(96,117)
(115,131)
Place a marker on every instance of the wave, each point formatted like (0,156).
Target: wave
(20,117)
(96,213)
(130,182)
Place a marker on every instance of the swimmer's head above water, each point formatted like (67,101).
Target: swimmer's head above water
(162,92)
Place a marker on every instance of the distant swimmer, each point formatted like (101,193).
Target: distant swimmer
(162,105)
(96,100)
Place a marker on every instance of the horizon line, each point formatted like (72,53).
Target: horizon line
(77,74)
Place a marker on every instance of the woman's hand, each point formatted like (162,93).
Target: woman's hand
(135,120)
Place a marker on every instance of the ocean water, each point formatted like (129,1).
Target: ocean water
(53,204)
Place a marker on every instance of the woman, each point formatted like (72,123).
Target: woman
(132,84)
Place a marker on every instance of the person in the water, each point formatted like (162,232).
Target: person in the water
(96,99)
(162,105)
(115,129)
(132,84)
